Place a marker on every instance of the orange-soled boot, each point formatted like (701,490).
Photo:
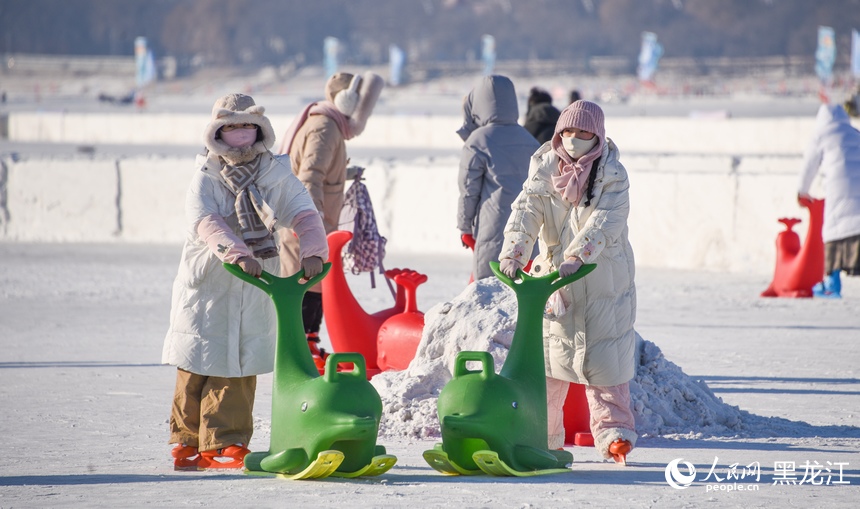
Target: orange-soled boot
(318,354)
(619,450)
(231,456)
(185,457)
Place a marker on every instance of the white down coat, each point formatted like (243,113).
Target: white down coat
(594,341)
(835,152)
(220,325)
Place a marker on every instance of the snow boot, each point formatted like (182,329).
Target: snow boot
(232,456)
(619,450)
(185,457)
(319,354)
(830,288)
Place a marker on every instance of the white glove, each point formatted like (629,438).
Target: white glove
(569,266)
(509,267)
(312,265)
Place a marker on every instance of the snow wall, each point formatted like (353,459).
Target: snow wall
(705,193)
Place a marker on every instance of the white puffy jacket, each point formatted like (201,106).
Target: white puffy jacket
(835,152)
(220,325)
(594,342)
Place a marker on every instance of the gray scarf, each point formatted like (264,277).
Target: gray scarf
(256,217)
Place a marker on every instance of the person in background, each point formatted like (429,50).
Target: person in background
(493,166)
(222,330)
(316,144)
(574,96)
(541,115)
(835,152)
(575,205)
(852,103)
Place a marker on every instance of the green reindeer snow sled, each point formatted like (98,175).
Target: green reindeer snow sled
(321,425)
(497,423)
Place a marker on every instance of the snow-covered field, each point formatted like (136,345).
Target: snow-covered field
(728,381)
(86,402)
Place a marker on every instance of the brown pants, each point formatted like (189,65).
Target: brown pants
(211,412)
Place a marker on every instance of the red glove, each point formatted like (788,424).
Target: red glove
(468,240)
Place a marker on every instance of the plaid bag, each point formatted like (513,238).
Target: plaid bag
(366,250)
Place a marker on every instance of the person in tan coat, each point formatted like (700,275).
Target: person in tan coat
(316,144)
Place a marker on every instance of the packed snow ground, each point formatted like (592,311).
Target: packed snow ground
(86,401)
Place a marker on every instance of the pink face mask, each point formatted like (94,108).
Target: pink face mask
(239,138)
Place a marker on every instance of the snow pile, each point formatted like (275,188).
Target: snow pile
(483,318)
(667,401)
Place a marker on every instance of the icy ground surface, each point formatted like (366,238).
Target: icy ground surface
(751,381)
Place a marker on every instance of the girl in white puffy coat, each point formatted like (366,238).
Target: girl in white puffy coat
(222,330)
(835,152)
(575,204)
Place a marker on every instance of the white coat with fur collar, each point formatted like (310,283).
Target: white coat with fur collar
(220,325)
(594,342)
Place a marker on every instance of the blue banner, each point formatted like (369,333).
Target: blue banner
(144,63)
(649,56)
(396,61)
(331,47)
(855,54)
(488,53)
(825,55)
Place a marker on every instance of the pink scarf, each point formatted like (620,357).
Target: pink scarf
(318,108)
(573,175)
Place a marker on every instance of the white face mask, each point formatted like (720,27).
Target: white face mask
(577,147)
(239,138)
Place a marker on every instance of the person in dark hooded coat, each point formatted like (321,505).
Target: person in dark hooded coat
(541,115)
(493,166)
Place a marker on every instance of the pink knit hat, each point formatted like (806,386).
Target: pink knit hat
(572,176)
(584,115)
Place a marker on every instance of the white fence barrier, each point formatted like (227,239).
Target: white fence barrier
(706,194)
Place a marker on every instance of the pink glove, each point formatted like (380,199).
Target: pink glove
(569,266)
(312,265)
(509,267)
(250,266)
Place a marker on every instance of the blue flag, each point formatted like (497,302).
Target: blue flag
(649,56)
(331,47)
(144,63)
(488,53)
(825,55)
(855,54)
(396,59)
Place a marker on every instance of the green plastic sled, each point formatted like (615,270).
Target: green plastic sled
(497,423)
(321,425)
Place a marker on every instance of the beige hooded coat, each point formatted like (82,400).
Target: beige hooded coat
(220,325)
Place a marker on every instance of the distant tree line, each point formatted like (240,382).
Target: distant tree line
(260,32)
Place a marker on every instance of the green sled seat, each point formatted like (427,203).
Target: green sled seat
(497,423)
(321,425)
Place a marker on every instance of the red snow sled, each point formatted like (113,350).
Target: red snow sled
(351,329)
(799,268)
(399,336)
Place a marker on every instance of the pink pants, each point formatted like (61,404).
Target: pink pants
(609,406)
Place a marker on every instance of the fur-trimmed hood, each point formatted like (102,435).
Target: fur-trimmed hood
(238,109)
